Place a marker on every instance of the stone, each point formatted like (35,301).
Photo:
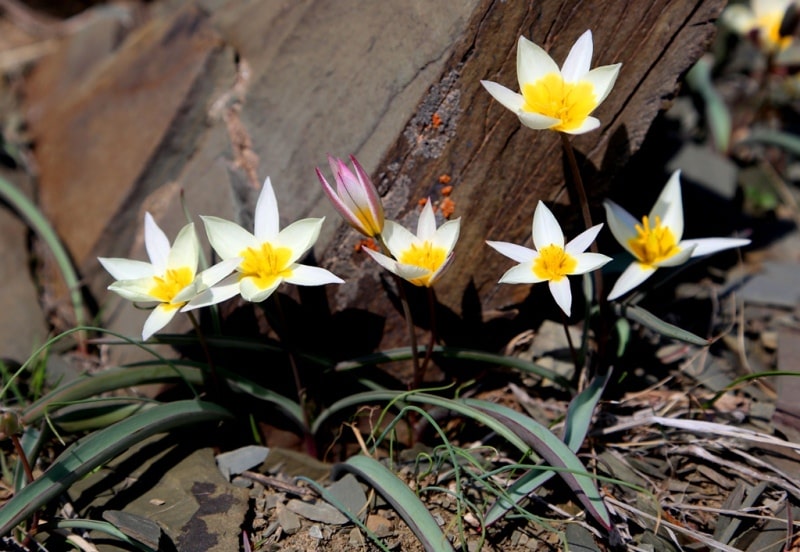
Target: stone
(289,521)
(379,525)
(234,462)
(317,511)
(351,494)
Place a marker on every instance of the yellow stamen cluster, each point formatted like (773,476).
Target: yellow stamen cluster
(569,102)
(553,263)
(266,264)
(769,26)
(426,255)
(653,243)
(174,280)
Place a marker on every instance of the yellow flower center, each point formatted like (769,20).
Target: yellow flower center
(174,280)
(769,27)
(553,263)
(570,102)
(266,264)
(653,243)
(426,256)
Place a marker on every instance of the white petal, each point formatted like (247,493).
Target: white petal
(536,121)
(134,290)
(588,124)
(513,251)
(252,292)
(739,18)
(669,206)
(426,225)
(127,269)
(621,223)
(185,251)
(589,261)
(634,275)
(303,275)
(397,238)
(227,238)
(156,243)
(532,62)
(214,274)
(441,270)
(383,260)
(579,59)
(212,296)
(765,7)
(520,274)
(678,258)
(412,272)
(546,230)
(159,318)
(582,241)
(706,246)
(267,219)
(508,98)
(562,294)
(603,79)
(447,235)
(300,236)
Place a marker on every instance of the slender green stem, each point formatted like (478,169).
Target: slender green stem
(412,336)
(572,351)
(433,336)
(41,226)
(26,467)
(212,386)
(603,327)
(302,392)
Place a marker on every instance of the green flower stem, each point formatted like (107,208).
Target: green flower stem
(212,386)
(603,327)
(302,392)
(573,353)
(412,336)
(42,227)
(433,336)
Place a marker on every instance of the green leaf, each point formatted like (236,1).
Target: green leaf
(402,499)
(649,320)
(96,449)
(556,453)
(718,116)
(770,137)
(576,427)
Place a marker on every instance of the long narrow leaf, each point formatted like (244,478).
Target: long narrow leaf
(402,499)
(98,448)
(576,426)
(404,353)
(556,453)
(651,321)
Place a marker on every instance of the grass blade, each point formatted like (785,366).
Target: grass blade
(651,321)
(576,426)
(402,499)
(555,452)
(98,448)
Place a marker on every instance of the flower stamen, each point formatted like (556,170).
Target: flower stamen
(554,263)
(426,255)
(167,287)
(552,96)
(653,243)
(266,264)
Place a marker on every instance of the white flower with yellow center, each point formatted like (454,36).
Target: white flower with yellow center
(268,256)
(553,98)
(551,261)
(655,241)
(422,258)
(170,278)
(761,21)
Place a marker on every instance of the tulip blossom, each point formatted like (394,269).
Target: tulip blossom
(656,240)
(551,261)
(422,258)
(558,99)
(170,278)
(355,197)
(761,21)
(268,256)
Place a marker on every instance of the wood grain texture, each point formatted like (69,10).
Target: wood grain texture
(499,169)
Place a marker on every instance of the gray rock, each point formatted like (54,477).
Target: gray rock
(351,494)
(289,521)
(236,461)
(317,511)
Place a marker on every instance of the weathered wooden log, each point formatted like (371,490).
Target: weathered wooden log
(216,96)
